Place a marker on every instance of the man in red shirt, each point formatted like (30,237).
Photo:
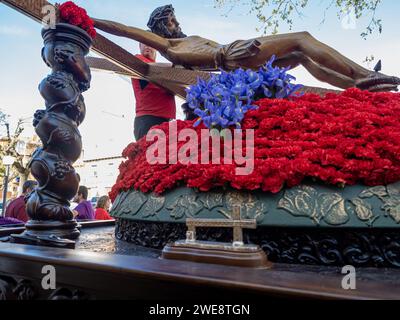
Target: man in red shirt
(154,105)
(17,208)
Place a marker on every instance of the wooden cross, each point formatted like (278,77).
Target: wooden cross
(119,60)
(236,223)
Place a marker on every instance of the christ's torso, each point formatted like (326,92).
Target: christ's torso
(193,52)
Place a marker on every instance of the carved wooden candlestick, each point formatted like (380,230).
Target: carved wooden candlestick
(52,222)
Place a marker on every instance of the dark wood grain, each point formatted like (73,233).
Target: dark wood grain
(48,206)
(5,232)
(125,277)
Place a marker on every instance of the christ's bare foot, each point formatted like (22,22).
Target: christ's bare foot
(383,88)
(378,82)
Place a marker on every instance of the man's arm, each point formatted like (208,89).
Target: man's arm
(148,38)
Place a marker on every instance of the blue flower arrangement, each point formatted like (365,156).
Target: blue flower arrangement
(223,101)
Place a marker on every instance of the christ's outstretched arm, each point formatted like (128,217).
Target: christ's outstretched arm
(159,43)
(322,61)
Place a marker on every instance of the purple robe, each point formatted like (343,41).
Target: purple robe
(85,210)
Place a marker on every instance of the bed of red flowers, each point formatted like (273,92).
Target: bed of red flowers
(341,139)
(70,13)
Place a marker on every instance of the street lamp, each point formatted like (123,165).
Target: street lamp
(8,161)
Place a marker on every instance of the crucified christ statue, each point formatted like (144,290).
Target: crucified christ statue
(291,50)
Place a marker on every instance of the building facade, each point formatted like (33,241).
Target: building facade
(99,175)
(24,149)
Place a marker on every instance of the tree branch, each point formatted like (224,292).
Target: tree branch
(283,11)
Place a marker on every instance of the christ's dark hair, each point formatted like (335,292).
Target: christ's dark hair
(158,22)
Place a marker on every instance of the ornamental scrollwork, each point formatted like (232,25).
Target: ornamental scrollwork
(65,294)
(11,289)
(300,246)
(7,285)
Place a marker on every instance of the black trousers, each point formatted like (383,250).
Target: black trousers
(143,125)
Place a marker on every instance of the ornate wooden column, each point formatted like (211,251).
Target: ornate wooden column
(52,222)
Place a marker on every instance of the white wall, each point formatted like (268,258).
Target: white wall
(99,175)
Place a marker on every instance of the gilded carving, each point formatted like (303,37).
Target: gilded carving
(331,208)
(134,202)
(251,207)
(364,211)
(390,196)
(392,203)
(153,206)
(305,201)
(212,200)
(300,202)
(119,201)
(130,203)
(185,206)
(380,192)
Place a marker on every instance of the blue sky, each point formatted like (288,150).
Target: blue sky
(110,102)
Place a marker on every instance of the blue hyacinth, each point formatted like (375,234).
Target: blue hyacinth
(224,100)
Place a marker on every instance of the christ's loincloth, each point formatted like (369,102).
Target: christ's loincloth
(229,56)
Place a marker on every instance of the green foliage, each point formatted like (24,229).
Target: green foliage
(272,13)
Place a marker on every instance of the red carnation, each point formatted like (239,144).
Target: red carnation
(71,13)
(342,139)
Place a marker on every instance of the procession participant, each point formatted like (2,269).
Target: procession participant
(84,210)
(291,50)
(17,208)
(154,105)
(102,208)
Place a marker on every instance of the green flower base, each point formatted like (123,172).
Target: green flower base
(310,205)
